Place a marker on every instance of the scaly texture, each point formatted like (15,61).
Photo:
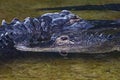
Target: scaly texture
(60,30)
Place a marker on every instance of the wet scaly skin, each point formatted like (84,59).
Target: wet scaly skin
(60,32)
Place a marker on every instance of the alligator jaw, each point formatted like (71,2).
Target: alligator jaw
(79,49)
(71,48)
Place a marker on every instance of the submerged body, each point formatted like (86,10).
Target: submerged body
(61,32)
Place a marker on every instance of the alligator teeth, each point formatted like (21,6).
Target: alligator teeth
(3,22)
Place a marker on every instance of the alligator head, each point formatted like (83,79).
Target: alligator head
(61,32)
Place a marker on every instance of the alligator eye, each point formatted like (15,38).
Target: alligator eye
(64,38)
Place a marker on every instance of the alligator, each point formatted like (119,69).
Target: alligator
(62,32)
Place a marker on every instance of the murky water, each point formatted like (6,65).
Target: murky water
(51,66)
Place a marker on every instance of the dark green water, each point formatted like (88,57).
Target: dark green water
(51,66)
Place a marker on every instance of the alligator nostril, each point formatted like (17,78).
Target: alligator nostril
(64,38)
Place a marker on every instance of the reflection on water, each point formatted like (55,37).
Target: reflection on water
(51,66)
